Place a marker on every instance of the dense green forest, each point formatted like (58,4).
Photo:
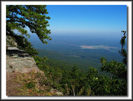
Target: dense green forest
(79,61)
(73,81)
(82,58)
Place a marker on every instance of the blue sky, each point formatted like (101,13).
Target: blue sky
(87,19)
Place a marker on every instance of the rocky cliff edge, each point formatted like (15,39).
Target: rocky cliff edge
(23,77)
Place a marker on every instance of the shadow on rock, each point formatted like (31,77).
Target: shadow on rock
(19,53)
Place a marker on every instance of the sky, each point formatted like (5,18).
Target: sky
(87,19)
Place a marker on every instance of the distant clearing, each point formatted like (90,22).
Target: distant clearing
(99,47)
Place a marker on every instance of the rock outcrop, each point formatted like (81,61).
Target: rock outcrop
(22,66)
(18,60)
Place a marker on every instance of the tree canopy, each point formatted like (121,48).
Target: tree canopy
(75,82)
(32,16)
(123,51)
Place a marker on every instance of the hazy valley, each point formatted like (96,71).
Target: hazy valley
(83,51)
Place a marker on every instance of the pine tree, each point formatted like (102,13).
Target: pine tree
(118,70)
(32,16)
(123,51)
(74,72)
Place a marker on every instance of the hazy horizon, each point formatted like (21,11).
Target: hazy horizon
(78,40)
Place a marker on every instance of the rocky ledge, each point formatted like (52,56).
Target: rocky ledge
(21,63)
(21,69)
(18,60)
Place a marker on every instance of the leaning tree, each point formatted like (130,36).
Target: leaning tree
(33,16)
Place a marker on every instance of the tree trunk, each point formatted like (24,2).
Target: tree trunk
(73,91)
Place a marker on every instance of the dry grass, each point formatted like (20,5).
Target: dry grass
(27,84)
(11,84)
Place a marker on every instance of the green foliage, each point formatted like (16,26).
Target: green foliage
(27,46)
(123,51)
(74,72)
(46,82)
(103,85)
(24,44)
(119,72)
(86,58)
(82,63)
(32,16)
(116,68)
(40,59)
(74,82)
(57,63)
(30,85)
